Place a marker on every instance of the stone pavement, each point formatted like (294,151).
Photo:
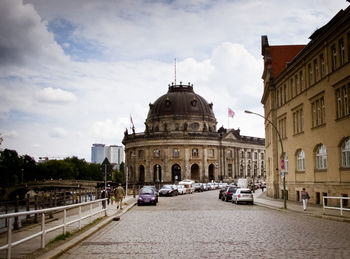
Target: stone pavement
(28,247)
(113,213)
(312,210)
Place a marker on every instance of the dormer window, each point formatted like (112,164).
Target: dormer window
(194,102)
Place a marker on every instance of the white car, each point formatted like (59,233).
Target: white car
(243,195)
(181,189)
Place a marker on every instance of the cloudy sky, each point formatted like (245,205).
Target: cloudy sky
(73,71)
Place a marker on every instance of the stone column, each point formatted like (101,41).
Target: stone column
(187,164)
(205,175)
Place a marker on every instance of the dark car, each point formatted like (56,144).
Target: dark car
(168,190)
(198,187)
(227,194)
(222,189)
(154,188)
(147,196)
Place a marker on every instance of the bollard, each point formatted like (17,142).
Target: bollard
(50,214)
(15,224)
(27,205)
(35,208)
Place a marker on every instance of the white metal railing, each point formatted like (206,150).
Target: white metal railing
(44,231)
(335,208)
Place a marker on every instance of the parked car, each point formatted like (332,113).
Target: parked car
(205,187)
(243,195)
(154,188)
(227,194)
(147,196)
(181,189)
(198,187)
(168,190)
(222,189)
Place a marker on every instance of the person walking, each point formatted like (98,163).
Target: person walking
(103,195)
(119,194)
(304,196)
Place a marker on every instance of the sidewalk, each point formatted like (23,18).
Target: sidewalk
(27,248)
(313,210)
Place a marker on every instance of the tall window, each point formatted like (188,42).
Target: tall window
(334,57)
(341,51)
(301,160)
(211,153)
(229,169)
(297,84)
(195,152)
(298,118)
(249,154)
(284,93)
(310,74)
(156,153)
(318,112)
(282,126)
(321,157)
(301,81)
(316,69)
(345,153)
(291,88)
(323,68)
(343,104)
(176,152)
(141,153)
(255,155)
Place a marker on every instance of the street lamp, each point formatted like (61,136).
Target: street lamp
(282,162)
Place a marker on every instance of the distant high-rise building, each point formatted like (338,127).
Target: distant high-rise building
(98,153)
(115,154)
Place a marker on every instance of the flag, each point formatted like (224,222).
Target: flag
(231,113)
(132,123)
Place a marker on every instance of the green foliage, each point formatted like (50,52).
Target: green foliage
(61,237)
(14,167)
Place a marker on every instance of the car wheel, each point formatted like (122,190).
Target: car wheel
(226,199)
(237,202)
(222,198)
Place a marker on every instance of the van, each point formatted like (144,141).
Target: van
(189,185)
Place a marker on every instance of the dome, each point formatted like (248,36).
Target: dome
(181,102)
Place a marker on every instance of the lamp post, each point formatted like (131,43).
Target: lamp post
(282,162)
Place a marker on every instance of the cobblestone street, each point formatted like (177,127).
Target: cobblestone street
(202,226)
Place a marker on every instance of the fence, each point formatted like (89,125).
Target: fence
(341,208)
(44,231)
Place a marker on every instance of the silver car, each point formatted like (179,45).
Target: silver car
(243,195)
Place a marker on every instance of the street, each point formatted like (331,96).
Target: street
(202,226)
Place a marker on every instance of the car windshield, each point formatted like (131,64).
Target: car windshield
(146,191)
(166,187)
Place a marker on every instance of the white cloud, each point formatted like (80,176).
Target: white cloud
(58,106)
(51,95)
(58,133)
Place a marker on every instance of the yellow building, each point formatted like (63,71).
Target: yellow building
(307,98)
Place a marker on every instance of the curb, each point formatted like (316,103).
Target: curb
(58,251)
(324,216)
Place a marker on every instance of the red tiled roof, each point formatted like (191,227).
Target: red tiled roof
(281,55)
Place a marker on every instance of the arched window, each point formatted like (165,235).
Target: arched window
(156,153)
(301,160)
(345,153)
(195,152)
(321,157)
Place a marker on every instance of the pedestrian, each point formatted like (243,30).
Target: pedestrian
(119,194)
(304,196)
(103,195)
(262,186)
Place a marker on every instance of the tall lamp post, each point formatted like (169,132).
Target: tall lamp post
(282,162)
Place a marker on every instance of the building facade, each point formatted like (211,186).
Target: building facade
(306,97)
(180,141)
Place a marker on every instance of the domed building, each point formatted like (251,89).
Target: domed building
(180,141)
